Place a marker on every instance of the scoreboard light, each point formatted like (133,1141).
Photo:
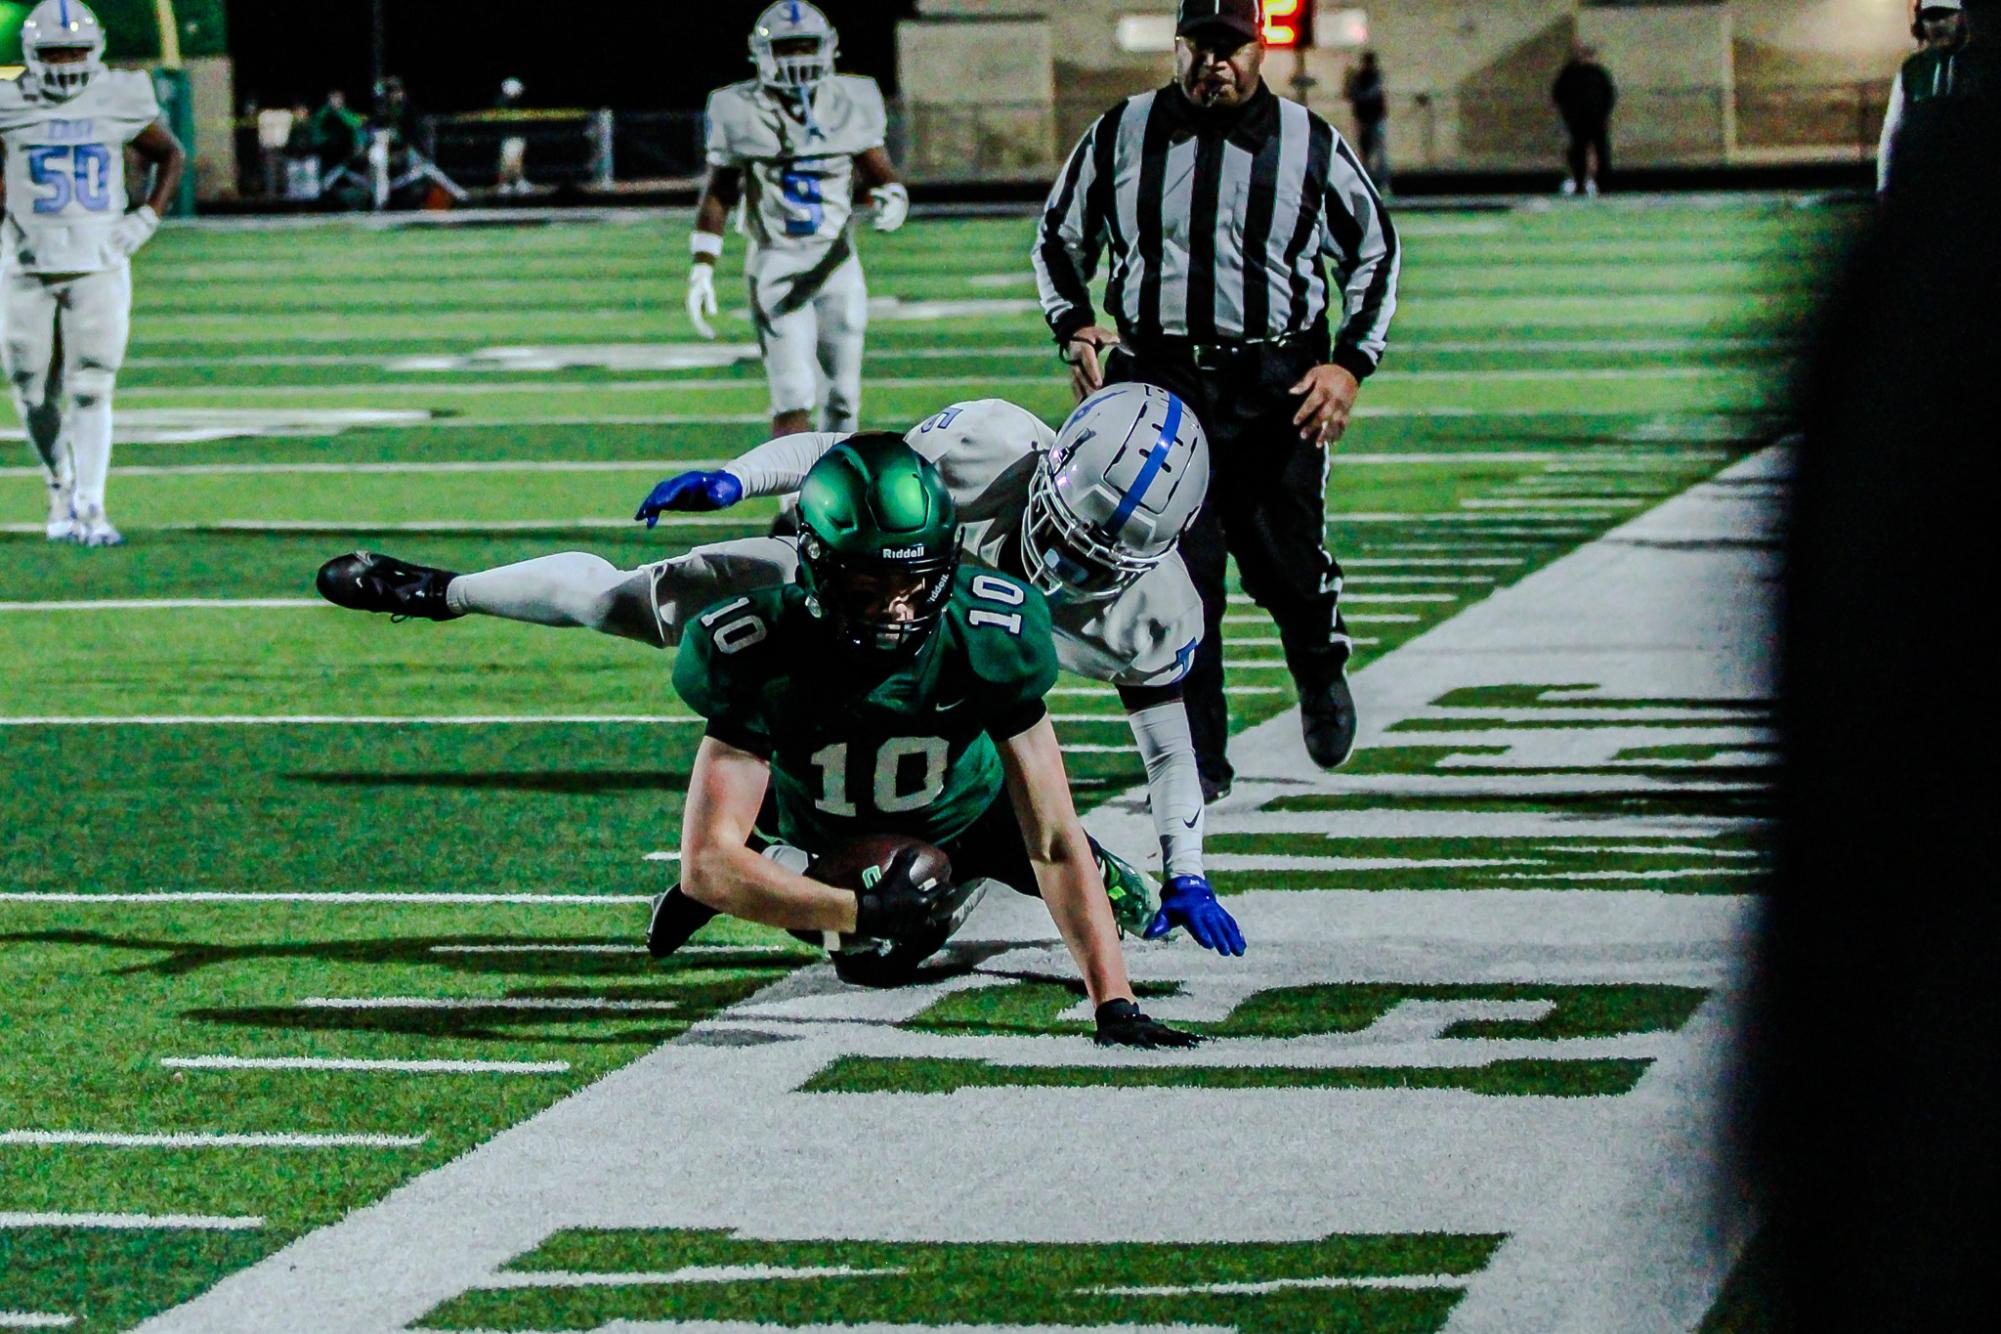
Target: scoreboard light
(1289,24)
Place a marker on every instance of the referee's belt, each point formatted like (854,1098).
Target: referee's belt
(1221,354)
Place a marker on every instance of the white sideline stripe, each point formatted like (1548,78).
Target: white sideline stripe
(328,720)
(365,1067)
(136,1222)
(570,1278)
(1285,1284)
(473,1003)
(327,896)
(93,1139)
(34,1320)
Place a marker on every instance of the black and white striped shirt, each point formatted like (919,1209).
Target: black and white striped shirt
(1220,227)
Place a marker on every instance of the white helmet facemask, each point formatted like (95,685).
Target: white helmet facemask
(62,25)
(791,21)
(1127,478)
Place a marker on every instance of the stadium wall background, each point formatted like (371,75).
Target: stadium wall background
(1010,84)
(201,41)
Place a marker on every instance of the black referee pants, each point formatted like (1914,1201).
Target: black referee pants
(1267,507)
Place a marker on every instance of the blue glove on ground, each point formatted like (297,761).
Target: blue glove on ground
(1188,901)
(691,492)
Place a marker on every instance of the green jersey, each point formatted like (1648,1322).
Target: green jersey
(906,749)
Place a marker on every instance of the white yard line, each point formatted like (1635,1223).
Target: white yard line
(665,467)
(661,467)
(1444,562)
(34,1320)
(748,522)
(93,1139)
(356,1066)
(597,948)
(1407,1281)
(533,1279)
(478,1003)
(355,720)
(171,604)
(134,1222)
(330,897)
(553,387)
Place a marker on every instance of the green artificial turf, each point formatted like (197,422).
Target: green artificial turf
(1574,366)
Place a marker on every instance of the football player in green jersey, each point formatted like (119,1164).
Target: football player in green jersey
(888,691)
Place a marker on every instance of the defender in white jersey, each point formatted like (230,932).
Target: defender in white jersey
(65,271)
(1090,516)
(791,146)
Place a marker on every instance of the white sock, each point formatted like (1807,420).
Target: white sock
(574,590)
(90,442)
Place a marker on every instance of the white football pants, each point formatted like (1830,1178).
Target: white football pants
(64,344)
(812,317)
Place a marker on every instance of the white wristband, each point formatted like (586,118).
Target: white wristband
(705,245)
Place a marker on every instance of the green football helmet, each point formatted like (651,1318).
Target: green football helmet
(879,543)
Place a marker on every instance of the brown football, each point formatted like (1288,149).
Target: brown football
(844,864)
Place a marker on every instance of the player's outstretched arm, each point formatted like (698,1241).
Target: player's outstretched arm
(1067,875)
(1159,719)
(719,870)
(777,468)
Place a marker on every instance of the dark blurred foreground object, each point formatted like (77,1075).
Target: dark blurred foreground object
(1877,1033)
(1928,98)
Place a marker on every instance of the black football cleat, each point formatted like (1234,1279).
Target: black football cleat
(1216,789)
(364,581)
(676,917)
(1327,718)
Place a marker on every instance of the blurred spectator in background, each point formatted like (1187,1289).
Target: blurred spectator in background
(339,136)
(395,114)
(1370,106)
(1940,27)
(513,147)
(1585,95)
(302,156)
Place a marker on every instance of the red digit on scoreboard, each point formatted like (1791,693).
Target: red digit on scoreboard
(1283,22)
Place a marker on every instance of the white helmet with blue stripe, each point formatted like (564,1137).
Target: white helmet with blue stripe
(793,47)
(1127,477)
(62,25)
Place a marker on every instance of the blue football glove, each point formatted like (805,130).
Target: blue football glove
(691,492)
(1188,901)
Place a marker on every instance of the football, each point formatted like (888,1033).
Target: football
(855,863)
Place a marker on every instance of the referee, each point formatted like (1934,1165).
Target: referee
(1222,204)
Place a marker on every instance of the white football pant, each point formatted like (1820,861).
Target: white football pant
(64,344)
(812,317)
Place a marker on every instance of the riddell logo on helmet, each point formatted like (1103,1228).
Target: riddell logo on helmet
(902,553)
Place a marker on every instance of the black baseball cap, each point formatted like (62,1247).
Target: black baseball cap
(1243,17)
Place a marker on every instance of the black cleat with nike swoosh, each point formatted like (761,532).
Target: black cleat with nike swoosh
(364,581)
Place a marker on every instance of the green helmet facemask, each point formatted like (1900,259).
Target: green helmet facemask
(879,544)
